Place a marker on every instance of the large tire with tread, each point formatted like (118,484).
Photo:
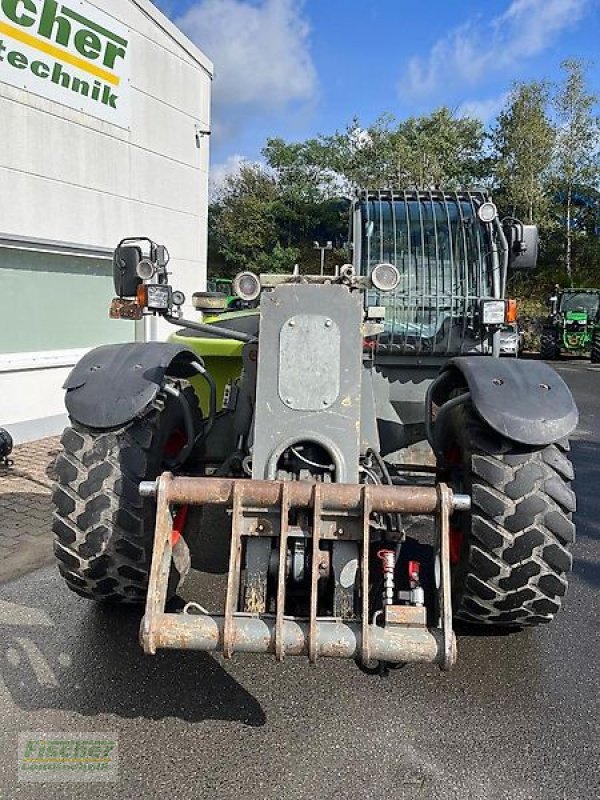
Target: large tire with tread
(549,344)
(595,354)
(103,529)
(511,551)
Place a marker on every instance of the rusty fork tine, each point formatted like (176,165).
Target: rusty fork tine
(161,561)
(445,622)
(314,575)
(281,576)
(317,637)
(233,579)
(366,499)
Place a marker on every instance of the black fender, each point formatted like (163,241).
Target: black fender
(525,401)
(113,384)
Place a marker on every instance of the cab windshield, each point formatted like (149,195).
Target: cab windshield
(581,301)
(443,253)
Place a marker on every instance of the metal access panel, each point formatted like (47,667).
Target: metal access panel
(309,376)
(307,383)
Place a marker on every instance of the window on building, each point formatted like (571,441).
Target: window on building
(56,302)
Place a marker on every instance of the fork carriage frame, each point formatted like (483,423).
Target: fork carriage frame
(403,637)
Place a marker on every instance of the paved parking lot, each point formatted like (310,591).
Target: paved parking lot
(25,487)
(517,719)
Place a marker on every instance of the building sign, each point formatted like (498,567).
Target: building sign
(70,53)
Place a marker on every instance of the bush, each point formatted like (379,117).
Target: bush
(532,314)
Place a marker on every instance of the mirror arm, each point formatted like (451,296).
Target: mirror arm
(517,223)
(504,249)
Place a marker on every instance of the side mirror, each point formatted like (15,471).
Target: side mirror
(125,263)
(523,243)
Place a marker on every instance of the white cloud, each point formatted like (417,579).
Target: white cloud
(261,55)
(485,109)
(220,172)
(479,47)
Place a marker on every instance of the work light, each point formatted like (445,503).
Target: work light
(246,285)
(145,269)
(487,212)
(158,297)
(385,277)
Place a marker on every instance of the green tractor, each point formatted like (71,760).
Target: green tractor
(328,422)
(573,325)
(222,286)
(225,287)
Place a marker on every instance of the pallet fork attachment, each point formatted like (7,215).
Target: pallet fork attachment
(337,512)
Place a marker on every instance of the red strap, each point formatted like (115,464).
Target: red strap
(179,524)
(456,544)
(414,570)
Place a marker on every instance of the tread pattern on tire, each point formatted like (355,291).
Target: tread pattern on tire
(549,344)
(103,529)
(595,354)
(518,555)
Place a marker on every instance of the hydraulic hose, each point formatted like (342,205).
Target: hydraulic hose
(387,478)
(189,427)
(212,399)
(213,330)
(442,413)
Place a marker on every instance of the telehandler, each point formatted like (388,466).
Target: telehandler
(327,421)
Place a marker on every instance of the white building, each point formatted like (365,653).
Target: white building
(104,115)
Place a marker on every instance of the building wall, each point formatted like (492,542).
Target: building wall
(73,186)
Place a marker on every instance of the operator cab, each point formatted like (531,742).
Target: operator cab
(452,254)
(580,301)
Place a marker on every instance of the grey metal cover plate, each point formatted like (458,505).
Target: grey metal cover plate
(309,362)
(335,427)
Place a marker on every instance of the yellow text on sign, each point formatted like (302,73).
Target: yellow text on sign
(58,53)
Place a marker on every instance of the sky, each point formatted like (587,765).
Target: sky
(297,68)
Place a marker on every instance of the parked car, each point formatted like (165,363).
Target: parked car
(511,340)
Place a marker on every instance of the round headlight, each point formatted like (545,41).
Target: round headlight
(487,212)
(178,298)
(385,277)
(145,269)
(246,286)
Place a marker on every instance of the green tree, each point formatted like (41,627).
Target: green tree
(426,152)
(243,223)
(266,218)
(358,156)
(438,150)
(435,150)
(576,154)
(523,141)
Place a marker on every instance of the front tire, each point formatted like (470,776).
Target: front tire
(549,346)
(595,354)
(511,551)
(104,530)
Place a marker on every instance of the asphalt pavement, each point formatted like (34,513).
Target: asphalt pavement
(517,718)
